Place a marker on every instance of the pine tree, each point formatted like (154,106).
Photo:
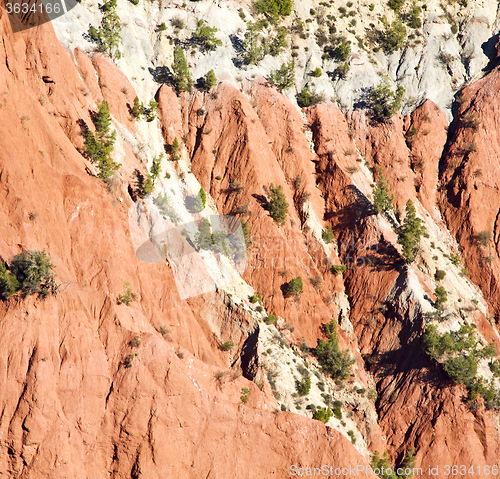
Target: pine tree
(284,77)
(382,199)
(108,36)
(210,80)
(182,77)
(138,108)
(205,36)
(410,233)
(99,146)
(200,201)
(277,205)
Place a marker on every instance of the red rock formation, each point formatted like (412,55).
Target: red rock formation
(471,178)
(70,405)
(90,388)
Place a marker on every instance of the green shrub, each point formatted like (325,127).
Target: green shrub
(148,183)
(303,386)
(413,17)
(161,201)
(255,298)
(441,296)
(337,409)
(327,235)
(137,109)
(245,397)
(210,80)
(200,201)
(335,362)
(342,70)
(227,346)
(337,269)
(271,319)
(295,287)
(324,414)
(461,369)
(98,147)
(384,102)
(108,36)
(284,77)
(274,9)
(394,35)
(372,395)
(342,50)
(149,112)
(277,43)
(439,275)
(307,98)
(182,77)
(254,44)
(277,205)
(8,282)
(317,72)
(29,272)
(410,232)
(382,198)
(162,27)
(127,296)
(396,4)
(205,36)
(174,147)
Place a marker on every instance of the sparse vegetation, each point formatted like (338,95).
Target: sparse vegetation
(484,238)
(327,235)
(205,36)
(27,273)
(382,198)
(384,102)
(410,232)
(337,269)
(98,147)
(439,275)
(323,414)
(148,183)
(108,36)
(227,346)
(295,287)
(303,386)
(334,362)
(209,80)
(461,353)
(161,201)
(276,205)
(181,75)
(126,297)
(200,201)
(284,77)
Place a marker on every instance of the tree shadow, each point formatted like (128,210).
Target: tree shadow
(490,50)
(135,187)
(162,74)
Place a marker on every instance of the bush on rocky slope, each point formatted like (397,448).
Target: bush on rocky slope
(29,272)
(335,362)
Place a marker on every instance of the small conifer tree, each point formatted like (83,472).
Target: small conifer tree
(410,232)
(382,199)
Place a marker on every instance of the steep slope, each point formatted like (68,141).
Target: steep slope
(93,388)
(73,405)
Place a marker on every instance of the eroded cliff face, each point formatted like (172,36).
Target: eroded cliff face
(90,388)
